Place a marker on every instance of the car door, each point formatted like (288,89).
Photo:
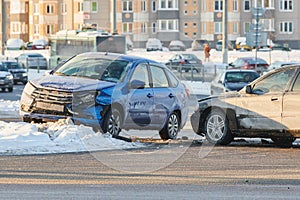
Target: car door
(164,96)
(262,109)
(291,108)
(140,99)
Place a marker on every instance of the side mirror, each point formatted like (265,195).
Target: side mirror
(248,89)
(137,84)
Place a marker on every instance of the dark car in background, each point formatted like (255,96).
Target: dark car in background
(18,72)
(32,60)
(185,62)
(252,63)
(279,64)
(232,80)
(109,91)
(269,107)
(6,79)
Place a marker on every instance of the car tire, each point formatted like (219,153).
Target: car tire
(171,127)
(216,128)
(284,142)
(112,122)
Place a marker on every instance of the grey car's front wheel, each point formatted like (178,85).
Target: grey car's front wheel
(216,128)
(171,128)
(112,122)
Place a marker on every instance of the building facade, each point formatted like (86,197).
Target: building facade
(142,19)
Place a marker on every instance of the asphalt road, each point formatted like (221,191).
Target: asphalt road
(13,96)
(238,171)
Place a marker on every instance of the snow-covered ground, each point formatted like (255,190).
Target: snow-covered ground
(63,136)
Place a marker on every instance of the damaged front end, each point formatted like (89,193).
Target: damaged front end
(42,104)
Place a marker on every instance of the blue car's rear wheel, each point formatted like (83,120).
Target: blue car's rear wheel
(171,128)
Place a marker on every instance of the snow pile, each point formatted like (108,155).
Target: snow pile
(9,109)
(59,137)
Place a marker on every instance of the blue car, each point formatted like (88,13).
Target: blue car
(110,92)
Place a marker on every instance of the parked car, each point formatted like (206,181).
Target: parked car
(19,73)
(14,44)
(198,44)
(257,64)
(154,44)
(185,62)
(110,91)
(232,80)
(6,79)
(39,44)
(32,60)
(177,45)
(279,64)
(268,108)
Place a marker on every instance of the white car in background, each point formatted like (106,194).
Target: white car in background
(32,60)
(154,44)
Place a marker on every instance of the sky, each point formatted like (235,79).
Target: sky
(20,138)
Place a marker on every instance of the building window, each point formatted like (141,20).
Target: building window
(153,6)
(204,5)
(127,6)
(168,4)
(127,28)
(80,6)
(36,29)
(204,28)
(153,27)
(144,27)
(143,6)
(235,27)
(36,8)
(50,29)
(185,12)
(235,5)
(185,25)
(94,7)
(15,27)
(168,25)
(286,5)
(268,24)
(246,27)
(195,25)
(195,12)
(265,3)
(218,5)
(63,7)
(247,5)
(186,3)
(218,27)
(286,27)
(194,3)
(50,9)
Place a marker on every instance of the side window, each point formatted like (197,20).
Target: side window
(141,74)
(296,86)
(159,77)
(173,80)
(274,83)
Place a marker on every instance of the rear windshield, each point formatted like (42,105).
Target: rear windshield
(235,77)
(252,61)
(95,68)
(34,55)
(12,65)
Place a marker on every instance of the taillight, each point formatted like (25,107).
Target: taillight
(182,62)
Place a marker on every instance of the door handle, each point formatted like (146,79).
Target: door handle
(149,95)
(274,99)
(171,95)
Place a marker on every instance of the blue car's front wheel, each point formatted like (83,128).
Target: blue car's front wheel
(112,122)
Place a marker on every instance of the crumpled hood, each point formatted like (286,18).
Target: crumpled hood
(69,83)
(3,73)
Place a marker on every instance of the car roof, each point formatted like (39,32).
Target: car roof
(115,56)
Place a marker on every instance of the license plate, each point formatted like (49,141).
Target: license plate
(49,106)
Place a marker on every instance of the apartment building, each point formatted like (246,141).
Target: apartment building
(142,19)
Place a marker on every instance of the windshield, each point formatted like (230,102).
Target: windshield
(3,68)
(95,68)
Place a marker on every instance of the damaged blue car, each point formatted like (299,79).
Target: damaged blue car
(110,92)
